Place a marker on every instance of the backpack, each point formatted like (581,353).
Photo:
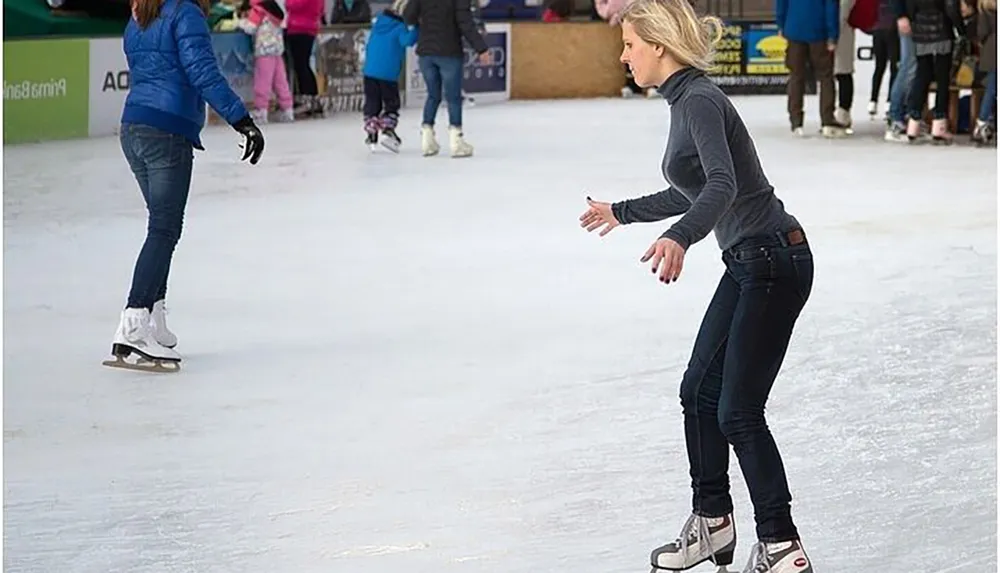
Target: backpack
(864,15)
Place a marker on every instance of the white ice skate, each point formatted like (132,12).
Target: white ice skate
(843,117)
(784,557)
(459,147)
(428,141)
(701,539)
(135,337)
(872,110)
(259,116)
(161,333)
(286,116)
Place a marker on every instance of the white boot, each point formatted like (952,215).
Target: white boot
(135,336)
(783,557)
(161,333)
(872,109)
(428,141)
(459,147)
(259,116)
(287,116)
(701,539)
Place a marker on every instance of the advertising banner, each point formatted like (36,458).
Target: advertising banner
(750,60)
(109,83)
(45,90)
(340,61)
(483,83)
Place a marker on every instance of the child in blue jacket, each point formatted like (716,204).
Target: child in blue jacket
(384,57)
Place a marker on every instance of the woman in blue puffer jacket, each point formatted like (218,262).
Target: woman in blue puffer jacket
(172,72)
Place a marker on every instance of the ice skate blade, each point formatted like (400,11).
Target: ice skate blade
(141,363)
(390,145)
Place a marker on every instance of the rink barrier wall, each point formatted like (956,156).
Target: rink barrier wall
(69,88)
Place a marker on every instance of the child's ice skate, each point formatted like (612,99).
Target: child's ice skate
(701,539)
(459,147)
(428,141)
(372,126)
(287,116)
(390,140)
(259,116)
(134,345)
(782,557)
(940,133)
(158,319)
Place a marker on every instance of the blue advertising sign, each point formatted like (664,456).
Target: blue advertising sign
(492,78)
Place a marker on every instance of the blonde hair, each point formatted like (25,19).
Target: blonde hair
(987,5)
(674,26)
(398,6)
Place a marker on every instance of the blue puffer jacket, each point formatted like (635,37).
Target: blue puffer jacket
(173,71)
(387,45)
(808,20)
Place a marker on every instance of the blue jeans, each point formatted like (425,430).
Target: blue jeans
(442,72)
(900,89)
(989,105)
(161,163)
(737,354)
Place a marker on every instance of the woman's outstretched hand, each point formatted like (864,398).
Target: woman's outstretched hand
(670,254)
(598,214)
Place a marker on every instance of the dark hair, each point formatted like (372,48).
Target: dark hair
(145,11)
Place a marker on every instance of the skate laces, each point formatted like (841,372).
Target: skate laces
(759,563)
(695,529)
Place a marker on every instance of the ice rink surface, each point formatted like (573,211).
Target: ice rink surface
(397,363)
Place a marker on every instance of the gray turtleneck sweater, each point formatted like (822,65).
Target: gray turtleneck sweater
(716,181)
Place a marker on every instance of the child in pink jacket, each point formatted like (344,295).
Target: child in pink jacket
(269,75)
(302,27)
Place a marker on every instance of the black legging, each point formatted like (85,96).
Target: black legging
(845,91)
(885,45)
(300,48)
(935,68)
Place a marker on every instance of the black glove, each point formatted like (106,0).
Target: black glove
(253,139)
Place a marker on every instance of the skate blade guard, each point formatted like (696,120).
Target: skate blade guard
(128,358)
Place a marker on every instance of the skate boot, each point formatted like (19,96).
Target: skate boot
(627,92)
(428,141)
(782,557)
(459,147)
(834,131)
(158,318)
(135,347)
(390,140)
(872,110)
(896,132)
(701,539)
(940,133)
(259,116)
(843,117)
(287,116)
(651,93)
(372,126)
(913,129)
(983,133)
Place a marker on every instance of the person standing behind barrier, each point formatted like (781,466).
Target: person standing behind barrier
(885,48)
(302,26)
(843,67)
(811,28)
(173,72)
(269,75)
(443,24)
(985,130)
(899,92)
(384,56)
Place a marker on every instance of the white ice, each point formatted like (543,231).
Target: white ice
(397,363)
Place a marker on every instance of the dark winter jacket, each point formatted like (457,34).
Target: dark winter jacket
(886,15)
(173,72)
(360,12)
(988,39)
(808,20)
(443,24)
(386,47)
(933,20)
